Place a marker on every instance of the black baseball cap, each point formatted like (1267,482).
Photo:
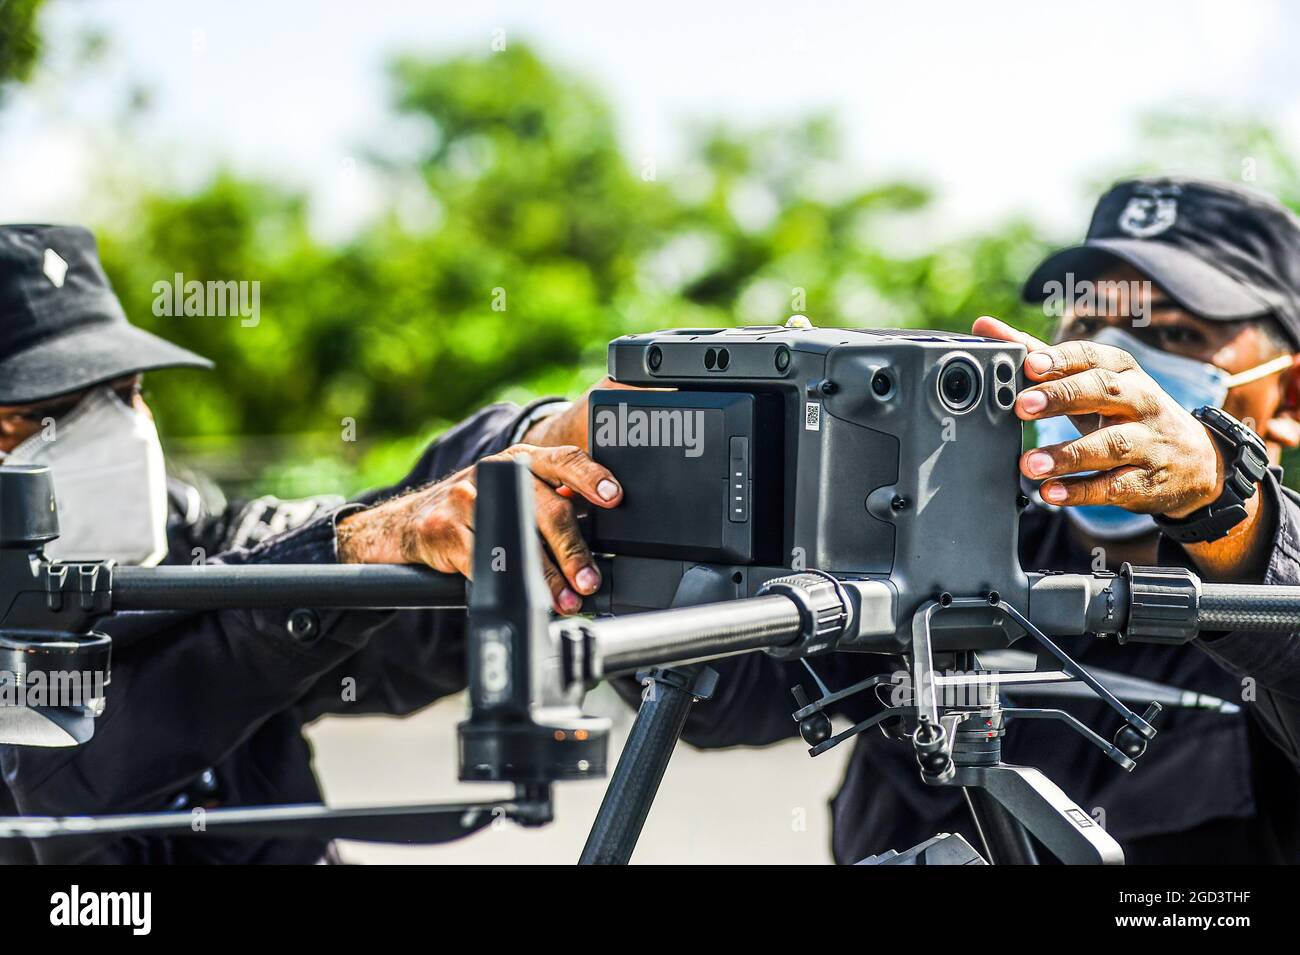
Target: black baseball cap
(1222,251)
(61,327)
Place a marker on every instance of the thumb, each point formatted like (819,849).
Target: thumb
(988,327)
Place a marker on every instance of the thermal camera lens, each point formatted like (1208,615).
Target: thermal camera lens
(959,384)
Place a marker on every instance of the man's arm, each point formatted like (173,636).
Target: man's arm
(417,656)
(434,524)
(1268,664)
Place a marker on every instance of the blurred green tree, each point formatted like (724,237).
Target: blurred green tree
(20,43)
(538,242)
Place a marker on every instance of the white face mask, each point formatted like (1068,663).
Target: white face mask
(110,483)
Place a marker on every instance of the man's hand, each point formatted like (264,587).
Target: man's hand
(1150,454)
(435,524)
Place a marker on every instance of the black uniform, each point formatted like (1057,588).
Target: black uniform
(208,709)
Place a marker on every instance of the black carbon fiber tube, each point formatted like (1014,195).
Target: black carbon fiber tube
(635,783)
(233,587)
(685,634)
(1249,607)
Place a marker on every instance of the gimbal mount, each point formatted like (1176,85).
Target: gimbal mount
(527,673)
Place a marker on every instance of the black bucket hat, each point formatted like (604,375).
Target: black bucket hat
(1222,251)
(61,327)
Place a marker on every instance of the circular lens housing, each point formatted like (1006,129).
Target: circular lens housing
(959,385)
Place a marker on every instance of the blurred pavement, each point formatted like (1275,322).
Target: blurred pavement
(740,805)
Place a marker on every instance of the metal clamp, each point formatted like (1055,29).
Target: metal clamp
(825,611)
(1163,605)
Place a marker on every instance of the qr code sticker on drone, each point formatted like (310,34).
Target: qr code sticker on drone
(812,419)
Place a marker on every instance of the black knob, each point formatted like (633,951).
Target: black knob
(934,764)
(1130,742)
(303,625)
(930,742)
(815,728)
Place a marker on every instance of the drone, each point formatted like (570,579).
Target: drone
(788,490)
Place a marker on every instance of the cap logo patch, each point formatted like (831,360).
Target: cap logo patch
(55,268)
(1150,211)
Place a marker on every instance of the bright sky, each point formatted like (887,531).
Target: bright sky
(941,92)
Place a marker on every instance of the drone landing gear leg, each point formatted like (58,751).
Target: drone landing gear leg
(1035,801)
(669,693)
(1004,839)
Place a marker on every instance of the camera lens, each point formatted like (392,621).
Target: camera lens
(655,358)
(959,384)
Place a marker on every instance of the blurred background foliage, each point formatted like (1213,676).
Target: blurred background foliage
(518,240)
(20,44)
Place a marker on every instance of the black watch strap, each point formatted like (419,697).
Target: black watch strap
(1246,460)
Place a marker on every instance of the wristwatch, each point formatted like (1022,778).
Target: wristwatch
(1246,464)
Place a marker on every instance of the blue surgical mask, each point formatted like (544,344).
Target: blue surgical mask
(1191,383)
